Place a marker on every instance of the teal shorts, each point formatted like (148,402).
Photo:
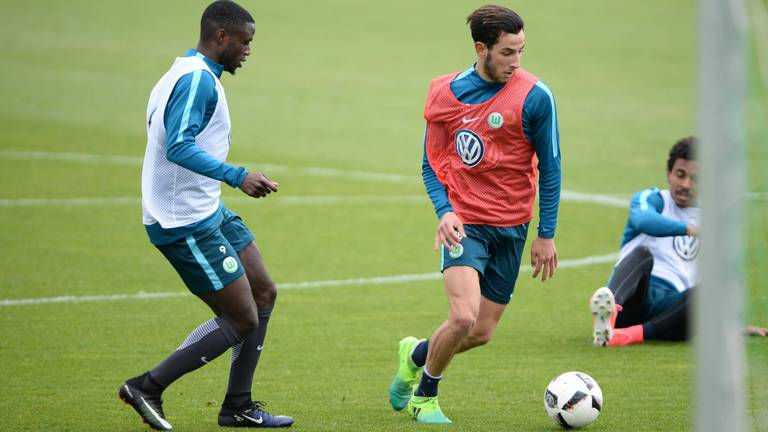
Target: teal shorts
(208,261)
(495,253)
(661,296)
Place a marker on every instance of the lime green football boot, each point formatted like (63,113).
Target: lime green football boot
(425,409)
(407,375)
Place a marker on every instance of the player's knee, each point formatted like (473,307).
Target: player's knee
(463,321)
(480,339)
(265,294)
(642,253)
(246,323)
(644,258)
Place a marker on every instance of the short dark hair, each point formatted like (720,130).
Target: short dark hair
(683,149)
(223,14)
(488,22)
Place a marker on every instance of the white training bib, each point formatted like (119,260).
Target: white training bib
(170,194)
(675,258)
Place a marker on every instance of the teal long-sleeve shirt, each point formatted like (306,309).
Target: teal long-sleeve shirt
(645,217)
(189,109)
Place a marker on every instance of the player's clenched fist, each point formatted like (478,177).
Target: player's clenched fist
(258,185)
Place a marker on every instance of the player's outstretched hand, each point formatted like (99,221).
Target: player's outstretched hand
(258,185)
(543,257)
(450,231)
(756,331)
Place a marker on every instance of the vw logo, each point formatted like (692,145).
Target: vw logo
(469,147)
(687,247)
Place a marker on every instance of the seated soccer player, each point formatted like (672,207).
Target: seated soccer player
(648,294)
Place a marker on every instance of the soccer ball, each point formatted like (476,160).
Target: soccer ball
(573,400)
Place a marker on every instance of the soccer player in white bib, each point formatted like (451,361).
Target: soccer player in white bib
(648,293)
(213,251)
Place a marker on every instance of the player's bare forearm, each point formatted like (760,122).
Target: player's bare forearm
(543,257)
(257,185)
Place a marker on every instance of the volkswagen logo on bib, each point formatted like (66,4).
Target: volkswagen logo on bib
(687,247)
(469,147)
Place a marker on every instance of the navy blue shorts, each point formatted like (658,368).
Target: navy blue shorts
(208,261)
(495,253)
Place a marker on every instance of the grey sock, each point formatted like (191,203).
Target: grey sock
(204,344)
(245,357)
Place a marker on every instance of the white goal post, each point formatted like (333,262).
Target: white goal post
(719,341)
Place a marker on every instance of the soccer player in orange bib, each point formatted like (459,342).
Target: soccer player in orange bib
(491,134)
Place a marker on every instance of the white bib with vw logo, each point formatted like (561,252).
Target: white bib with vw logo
(171,194)
(469,147)
(674,258)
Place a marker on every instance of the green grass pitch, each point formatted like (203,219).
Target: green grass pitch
(329,102)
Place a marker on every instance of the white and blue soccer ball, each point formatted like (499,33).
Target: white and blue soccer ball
(573,400)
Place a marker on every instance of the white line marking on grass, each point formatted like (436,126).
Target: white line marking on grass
(291,200)
(607,200)
(593,198)
(68,202)
(583,262)
(270,168)
(336,173)
(284,200)
(347,199)
(91,298)
(273,168)
(376,280)
(72,157)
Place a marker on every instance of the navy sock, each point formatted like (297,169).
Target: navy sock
(428,385)
(649,330)
(419,355)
